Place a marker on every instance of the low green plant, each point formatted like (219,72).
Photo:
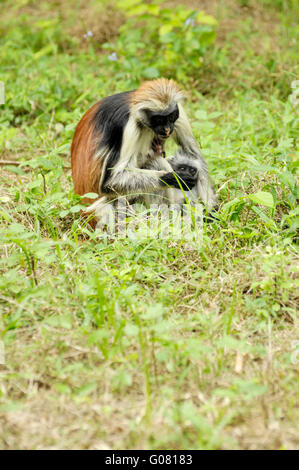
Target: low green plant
(158,41)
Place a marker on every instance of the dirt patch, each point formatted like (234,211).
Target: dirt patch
(96,23)
(86,21)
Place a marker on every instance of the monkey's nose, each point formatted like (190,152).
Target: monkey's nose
(167,131)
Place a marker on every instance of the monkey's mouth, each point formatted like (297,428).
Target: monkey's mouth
(158,145)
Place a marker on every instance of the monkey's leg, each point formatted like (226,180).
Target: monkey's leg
(104,213)
(206,191)
(129,181)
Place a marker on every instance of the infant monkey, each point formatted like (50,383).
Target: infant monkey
(192,170)
(193,179)
(188,171)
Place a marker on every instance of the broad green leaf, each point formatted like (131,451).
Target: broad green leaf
(262,197)
(131,330)
(63,321)
(153,9)
(151,72)
(64,213)
(63,388)
(86,389)
(138,10)
(228,205)
(215,115)
(206,19)
(201,114)
(165,29)
(44,24)
(90,195)
(76,208)
(127,4)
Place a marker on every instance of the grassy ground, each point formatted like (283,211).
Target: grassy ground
(152,344)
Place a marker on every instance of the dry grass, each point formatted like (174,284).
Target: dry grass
(106,419)
(48,368)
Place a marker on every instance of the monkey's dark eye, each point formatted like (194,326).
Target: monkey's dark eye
(182,168)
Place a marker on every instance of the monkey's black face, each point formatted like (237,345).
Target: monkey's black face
(187,170)
(162,123)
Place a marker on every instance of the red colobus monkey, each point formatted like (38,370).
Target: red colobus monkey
(117,148)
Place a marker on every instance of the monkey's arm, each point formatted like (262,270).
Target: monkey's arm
(185,139)
(126,178)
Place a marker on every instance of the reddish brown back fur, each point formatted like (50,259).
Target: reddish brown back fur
(86,171)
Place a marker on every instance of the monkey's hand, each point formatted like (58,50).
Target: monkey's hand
(179,181)
(158,146)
